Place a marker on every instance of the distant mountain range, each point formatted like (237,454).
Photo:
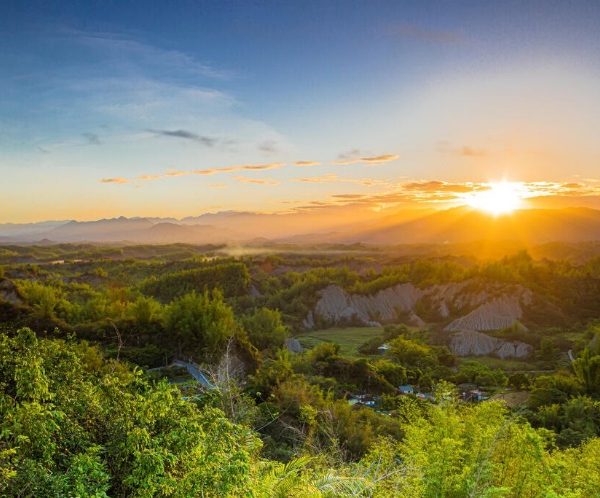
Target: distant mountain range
(467,225)
(458,225)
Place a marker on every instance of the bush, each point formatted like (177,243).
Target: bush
(480,374)
(265,329)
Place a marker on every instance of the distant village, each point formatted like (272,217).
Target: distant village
(467,392)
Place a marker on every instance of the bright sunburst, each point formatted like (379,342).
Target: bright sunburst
(500,198)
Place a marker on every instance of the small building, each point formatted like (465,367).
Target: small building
(473,395)
(478,395)
(406,389)
(363,400)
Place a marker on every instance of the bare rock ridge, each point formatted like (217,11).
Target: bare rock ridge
(473,343)
(9,292)
(499,313)
(494,309)
(337,306)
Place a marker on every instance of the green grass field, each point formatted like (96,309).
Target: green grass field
(349,339)
(509,365)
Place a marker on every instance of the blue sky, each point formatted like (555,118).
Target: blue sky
(176,108)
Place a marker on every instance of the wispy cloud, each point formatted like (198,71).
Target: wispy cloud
(257,167)
(146,105)
(437,191)
(385,158)
(356,157)
(173,173)
(186,135)
(92,138)
(370,182)
(427,35)
(319,179)
(578,189)
(213,171)
(572,186)
(349,196)
(331,178)
(114,180)
(307,163)
(148,177)
(467,151)
(268,146)
(349,155)
(439,194)
(134,52)
(256,181)
(434,186)
(144,101)
(242,167)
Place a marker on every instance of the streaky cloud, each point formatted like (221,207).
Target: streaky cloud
(120,46)
(186,135)
(331,178)
(173,173)
(353,157)
(242,167)
(119,180)
(256,181)
(92,138)
(434,186)
(307,163)
(149,177)
(268,146)
(426,35)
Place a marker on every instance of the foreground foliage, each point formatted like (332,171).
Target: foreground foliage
(74,424)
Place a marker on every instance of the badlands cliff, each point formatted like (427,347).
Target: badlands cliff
(479,311)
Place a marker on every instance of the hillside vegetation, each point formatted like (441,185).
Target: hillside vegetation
(94,400)
(74,424)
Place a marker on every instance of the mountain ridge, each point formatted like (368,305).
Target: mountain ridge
(455,225)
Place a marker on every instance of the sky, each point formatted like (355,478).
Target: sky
(179,108)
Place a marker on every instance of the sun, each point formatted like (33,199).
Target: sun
(499,198)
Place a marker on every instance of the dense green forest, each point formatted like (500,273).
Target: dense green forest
(94,403)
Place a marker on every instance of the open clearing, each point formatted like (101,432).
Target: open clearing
(349,339)
(506,364)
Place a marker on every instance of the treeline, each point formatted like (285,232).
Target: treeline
(73,252)
(232,279)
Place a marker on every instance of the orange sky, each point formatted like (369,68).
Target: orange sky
(269,108)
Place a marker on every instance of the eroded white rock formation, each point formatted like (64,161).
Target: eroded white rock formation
(495,308)
(473,343)
(337,306)
(497,314)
